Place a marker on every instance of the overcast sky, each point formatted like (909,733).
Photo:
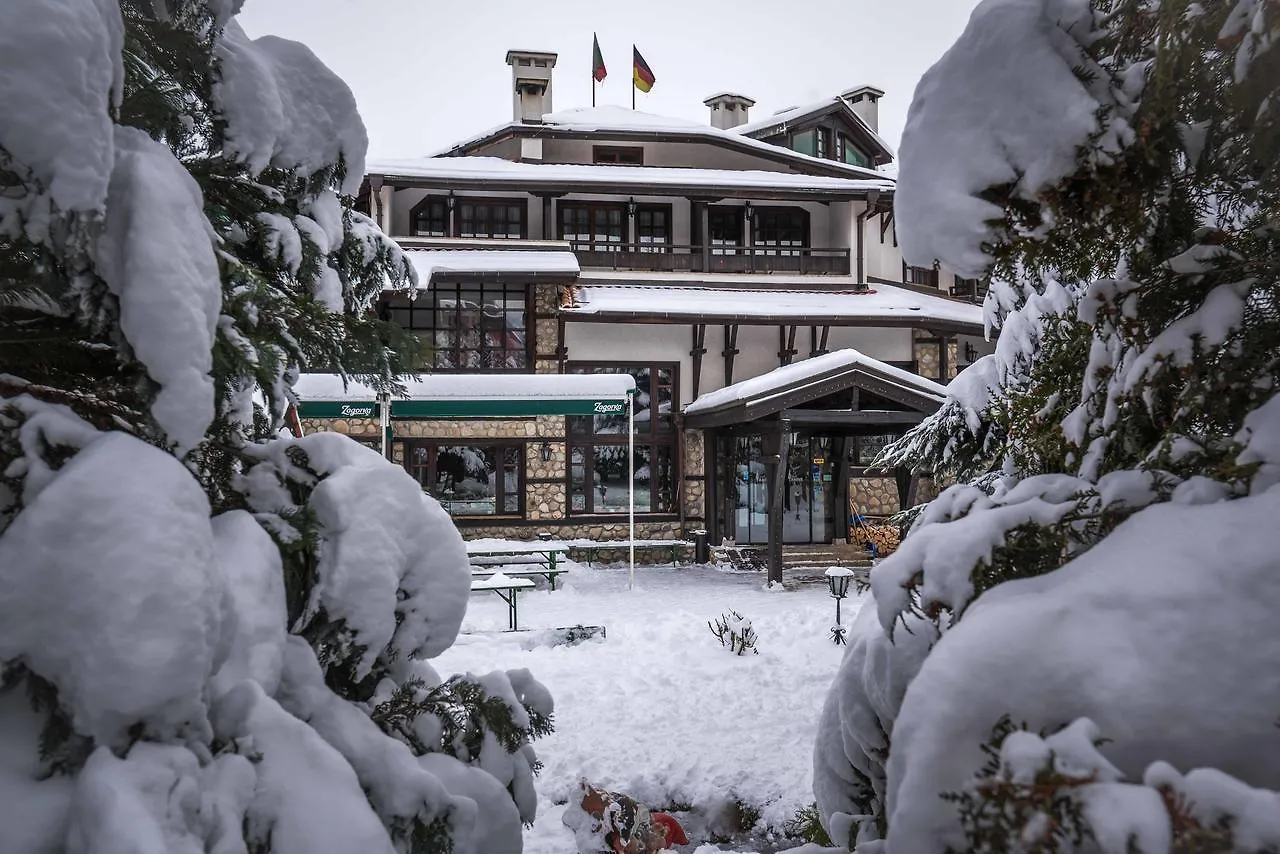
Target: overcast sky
(427,73)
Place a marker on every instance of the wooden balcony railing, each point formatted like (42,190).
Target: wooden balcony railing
(676,258)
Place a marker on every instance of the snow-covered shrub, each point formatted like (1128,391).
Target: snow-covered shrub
(203,623)
(1109,166)
(735,633)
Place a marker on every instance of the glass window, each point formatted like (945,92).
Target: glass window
(476,327)
(927,276)
(780,231)
(430,217)
(725,224)
(468,480)
(849,153)
(500,219)
(598,452)
(595,228)
(805,142)
(653,227)
(823,142)
(618,156)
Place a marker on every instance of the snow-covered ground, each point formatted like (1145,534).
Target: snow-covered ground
(658,709)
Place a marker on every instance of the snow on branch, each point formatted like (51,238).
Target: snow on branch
(1005,106)
(284,108)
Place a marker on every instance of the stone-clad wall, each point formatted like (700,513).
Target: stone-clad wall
(924,349)
(695,491)
(360,428)
(874,496)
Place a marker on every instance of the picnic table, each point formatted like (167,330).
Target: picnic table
(542,553)
(517,570)
(592,547)
(507,588)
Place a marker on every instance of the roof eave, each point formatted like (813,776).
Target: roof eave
(951,326)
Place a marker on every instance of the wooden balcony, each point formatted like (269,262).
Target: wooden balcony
(674,258)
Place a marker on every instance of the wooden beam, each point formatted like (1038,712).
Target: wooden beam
(841,416)
(822,344)
(786,344)
(699,350)
(730,350)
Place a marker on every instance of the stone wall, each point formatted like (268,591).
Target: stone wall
(927,355)
(874,496)
(361,428)
(694,491)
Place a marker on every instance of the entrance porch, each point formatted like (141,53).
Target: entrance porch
(789,452)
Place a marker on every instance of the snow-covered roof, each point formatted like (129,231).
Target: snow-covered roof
(611,118)
(329,387)
(878,305)
(537,174)
(792,114)
(432,262)
(798,374)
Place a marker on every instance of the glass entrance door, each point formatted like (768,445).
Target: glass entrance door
(807,502)
(808,490)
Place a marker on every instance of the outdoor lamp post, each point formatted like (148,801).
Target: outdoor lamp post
(838,583)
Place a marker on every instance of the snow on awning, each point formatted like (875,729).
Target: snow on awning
(469,395)
(878,305)
(438,262)
(799,374)
(650,178)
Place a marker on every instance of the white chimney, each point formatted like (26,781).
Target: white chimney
(530,83)
(865,101)
(728,110)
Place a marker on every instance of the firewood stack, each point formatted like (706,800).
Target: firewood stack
(883,537)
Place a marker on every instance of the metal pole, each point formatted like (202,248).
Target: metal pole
(631,483)
(384,423)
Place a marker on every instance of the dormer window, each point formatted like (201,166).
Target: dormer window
(847,152)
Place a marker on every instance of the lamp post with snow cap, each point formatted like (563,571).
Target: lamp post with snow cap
(838,582)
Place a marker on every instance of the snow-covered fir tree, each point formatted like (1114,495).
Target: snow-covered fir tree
(1075,647)
(214,636)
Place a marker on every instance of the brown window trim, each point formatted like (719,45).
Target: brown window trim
(506,201)
(433,445)
(425,304)
(655,438)
(618,151)
(923,276)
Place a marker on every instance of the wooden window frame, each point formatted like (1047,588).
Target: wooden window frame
(655,438)
(433,446)
(662,245)
(428,305)
(633,154)
(733,214)
(416,209)
(595,244)
(777,247)
(926,277)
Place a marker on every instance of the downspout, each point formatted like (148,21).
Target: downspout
(861,220)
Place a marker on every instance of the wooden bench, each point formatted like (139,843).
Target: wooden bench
(518,570)
(507,588)
(594,547)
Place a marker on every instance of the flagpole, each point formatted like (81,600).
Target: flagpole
(633,76)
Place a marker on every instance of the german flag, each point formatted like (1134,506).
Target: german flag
(640,73)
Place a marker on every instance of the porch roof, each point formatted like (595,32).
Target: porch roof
(466,395)
(560,265)
(495,173)
(881,305)
(791,386)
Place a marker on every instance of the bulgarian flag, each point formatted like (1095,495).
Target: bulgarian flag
(598,72)
(640,73)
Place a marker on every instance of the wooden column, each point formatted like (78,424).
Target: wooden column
(730,350)
(704,223)
(786,344)
(777,446)
(450,204)
(699,350)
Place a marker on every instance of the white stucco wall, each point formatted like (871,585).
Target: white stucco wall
(758,346)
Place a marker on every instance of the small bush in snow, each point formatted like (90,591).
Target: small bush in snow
(735,633)
(807,826)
